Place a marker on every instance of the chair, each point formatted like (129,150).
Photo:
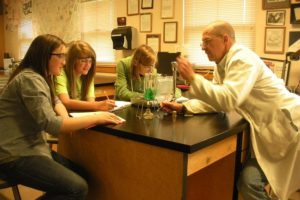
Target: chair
(51,140)
(15,189)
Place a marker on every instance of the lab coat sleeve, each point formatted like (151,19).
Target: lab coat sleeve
(196,106)
(241,75)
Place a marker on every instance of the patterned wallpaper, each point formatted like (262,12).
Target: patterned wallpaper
(58,17)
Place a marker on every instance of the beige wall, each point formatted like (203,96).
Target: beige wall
(157,24)
(157,28)
(260,34)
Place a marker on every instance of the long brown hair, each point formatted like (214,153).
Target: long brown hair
(37,58)
(80,49)
(142,55)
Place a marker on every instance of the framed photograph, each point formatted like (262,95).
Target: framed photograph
(153,40)
(279,67)
(275,18)
(133,7)
(295,13)
(167,9)
(170,32)
(146,22)
(147,4)
(293,37)
(275,4)
(274,40)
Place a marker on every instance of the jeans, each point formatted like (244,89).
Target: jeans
(58,178)
(252,182)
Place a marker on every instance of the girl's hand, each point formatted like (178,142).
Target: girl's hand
(105,105)
(108,118)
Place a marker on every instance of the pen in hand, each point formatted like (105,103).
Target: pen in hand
(105,93)
(109,101)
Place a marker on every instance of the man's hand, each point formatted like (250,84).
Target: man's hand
(170,106)
(185,68)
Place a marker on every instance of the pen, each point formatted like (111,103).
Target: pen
(106,95)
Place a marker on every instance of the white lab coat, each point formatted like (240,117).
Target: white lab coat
(243,83)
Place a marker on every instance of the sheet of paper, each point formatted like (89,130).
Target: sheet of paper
(120,105)
(181,99)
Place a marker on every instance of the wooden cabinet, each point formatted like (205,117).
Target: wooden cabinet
(107,68)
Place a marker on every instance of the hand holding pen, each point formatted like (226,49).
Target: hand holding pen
(105,105)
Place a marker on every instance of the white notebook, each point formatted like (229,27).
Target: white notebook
(120,105)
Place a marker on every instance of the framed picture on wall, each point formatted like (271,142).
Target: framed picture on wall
(170,32)
(146,22)
(147,4)
(275,4)
(279,68)
(275,18)
(153,40)
(274,40)
(133,7)
(167,9)
(295,13)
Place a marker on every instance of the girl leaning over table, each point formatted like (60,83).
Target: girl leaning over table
(28,109)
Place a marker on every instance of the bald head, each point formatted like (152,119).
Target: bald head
(220,28)
(217,39)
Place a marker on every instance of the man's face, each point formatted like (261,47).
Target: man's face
(214,46)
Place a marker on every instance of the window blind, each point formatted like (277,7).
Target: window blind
(198,13)
(96,26)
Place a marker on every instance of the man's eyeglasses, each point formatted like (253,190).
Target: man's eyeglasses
(61,56)
(85,60)
(205,42)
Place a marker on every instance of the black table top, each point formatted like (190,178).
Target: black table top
(185,134)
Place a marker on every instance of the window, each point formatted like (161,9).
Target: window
(96,26)
(197,14)
(25,36)
(89,20)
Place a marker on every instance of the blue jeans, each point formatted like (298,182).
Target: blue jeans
(252,182)
(58,178)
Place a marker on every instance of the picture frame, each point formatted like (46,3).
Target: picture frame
(146,22)
(167,9)
(274,40)
(147,4)
(295,14)
(293,37)
(170,32)
(280,68)
(153,40)
(275,4)
(133,7)
(275,18)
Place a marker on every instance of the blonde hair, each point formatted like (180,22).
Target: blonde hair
(76,50)
(142,55)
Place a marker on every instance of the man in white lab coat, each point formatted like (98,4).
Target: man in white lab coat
(242,82)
